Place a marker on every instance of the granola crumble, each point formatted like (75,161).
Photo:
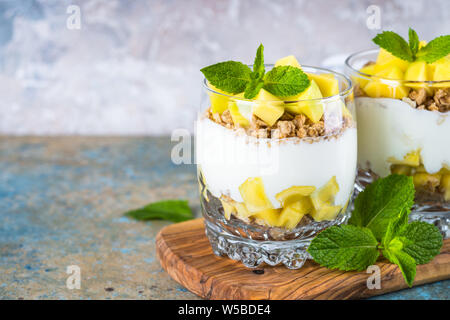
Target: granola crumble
(289,125)
(439,101)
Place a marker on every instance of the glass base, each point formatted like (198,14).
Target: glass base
(427,208)
(254,244)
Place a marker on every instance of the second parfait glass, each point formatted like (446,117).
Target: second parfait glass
(404,127)
(274,173)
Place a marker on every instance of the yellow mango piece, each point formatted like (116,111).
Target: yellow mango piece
(228,208)
(294,194)
(312,109)
(400,169)
(268,107)
(427,180)
(387,60)
(288,61)
(422,44)
(270,216)
(441,72)
(325,195)
(411,159)
(237,117)
(381,88)
(326,212)
(445,183)
(369,70)
(328,84)
(418,71)
(254,195)
(292,214)
(241,210)
(219,102)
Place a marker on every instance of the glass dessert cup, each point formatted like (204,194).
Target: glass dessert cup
(268,187)
(404,128)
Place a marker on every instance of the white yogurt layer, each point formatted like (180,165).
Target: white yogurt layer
(392,128)
(228,158)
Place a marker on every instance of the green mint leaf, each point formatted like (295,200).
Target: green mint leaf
(395,227)
(258,64)
(413,42)
(395,44)
(286,81)
(345,248)
(435,49)
(172,210)
(405,262)
(253,88)
(381,202)
(422,241)
(229,76)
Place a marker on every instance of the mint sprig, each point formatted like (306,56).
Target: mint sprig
(171,210)
(235,77)
(409,51)
(379,222)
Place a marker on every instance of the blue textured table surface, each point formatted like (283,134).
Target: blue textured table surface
(62,202)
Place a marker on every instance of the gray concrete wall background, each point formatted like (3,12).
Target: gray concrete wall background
(133,66)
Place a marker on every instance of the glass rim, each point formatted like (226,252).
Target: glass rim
(366,75)
(342,93)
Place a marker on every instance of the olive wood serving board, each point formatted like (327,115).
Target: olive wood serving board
(185,253)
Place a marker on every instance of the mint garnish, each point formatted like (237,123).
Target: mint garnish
(229,76)
(397,46)
(435,49)
(234,77)
(172,210)
(379,222)
(381,202)
(345,247)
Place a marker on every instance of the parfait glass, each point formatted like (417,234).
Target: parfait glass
(404,128)
(267,187)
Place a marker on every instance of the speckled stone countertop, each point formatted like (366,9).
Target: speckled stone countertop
(62,202)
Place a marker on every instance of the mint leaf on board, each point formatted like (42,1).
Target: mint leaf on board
(413,39)
(395,227)
(395,44)
(381,202)
(435,49)
(421,240)
(229,76)
(405,262)
(172,210)
(286,81)
(258,64)
(344,247)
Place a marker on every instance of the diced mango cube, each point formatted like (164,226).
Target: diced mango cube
(411,159)
(254,195)
(294,194)
(369,70)
(270,216)
(326,212)
(292,214)
(328,84)
(445,183)
(312,109)
(228,208)
(288,61)
(389,89)
(268,107)
(236,116)
(219,101)
(325,195)
(387,60)
(427,181)
(241,210)
(418,71)
(441,72)
(400,169)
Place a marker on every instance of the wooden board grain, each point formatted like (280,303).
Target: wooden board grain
(185,253)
